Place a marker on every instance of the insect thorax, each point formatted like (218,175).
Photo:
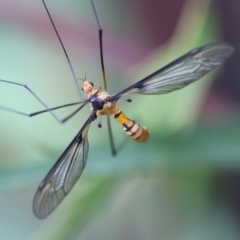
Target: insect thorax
(102,106)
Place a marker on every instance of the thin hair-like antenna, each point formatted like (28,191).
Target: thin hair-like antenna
(65,52)
(100,34)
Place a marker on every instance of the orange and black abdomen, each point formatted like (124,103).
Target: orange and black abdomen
(132,129)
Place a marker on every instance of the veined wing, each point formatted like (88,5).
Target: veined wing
(63,175)
(181,72)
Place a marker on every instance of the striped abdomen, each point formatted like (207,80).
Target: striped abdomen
(132,129)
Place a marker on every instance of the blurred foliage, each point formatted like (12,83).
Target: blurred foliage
(163,189)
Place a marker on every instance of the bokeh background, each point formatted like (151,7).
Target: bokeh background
(181,184)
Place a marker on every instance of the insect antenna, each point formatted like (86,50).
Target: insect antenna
(65,52)
(83,79)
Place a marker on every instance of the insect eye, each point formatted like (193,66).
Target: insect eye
(82,89)
(91,84)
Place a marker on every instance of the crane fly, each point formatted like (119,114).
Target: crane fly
(68,168)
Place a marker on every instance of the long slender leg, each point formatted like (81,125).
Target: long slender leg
(65,52)
(58,107)
(114,152)
(47,109)
(100,33)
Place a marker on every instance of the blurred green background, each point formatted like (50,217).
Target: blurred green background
(181,184)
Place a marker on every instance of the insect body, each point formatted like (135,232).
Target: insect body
(176,75)
(102,105)
(68,168)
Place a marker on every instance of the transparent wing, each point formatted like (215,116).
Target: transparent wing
(63,175)
(181,72)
